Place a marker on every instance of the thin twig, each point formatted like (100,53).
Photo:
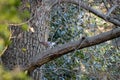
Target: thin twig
(111,10)
(21,23)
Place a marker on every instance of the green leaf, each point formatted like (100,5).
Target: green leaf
(25,27)
(24,49)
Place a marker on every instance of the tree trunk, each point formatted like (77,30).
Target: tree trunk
(25,44)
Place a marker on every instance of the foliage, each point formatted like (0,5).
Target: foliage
(8,11)
(12,75)
(69,23)
(4,37)
(9,14)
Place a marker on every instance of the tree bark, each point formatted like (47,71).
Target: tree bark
(25,44)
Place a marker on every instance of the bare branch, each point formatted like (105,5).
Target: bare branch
(19,24)
(96,12)
(58,51)
(111,10)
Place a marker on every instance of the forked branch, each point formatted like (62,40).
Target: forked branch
(92,10)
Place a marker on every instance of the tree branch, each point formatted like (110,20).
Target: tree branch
(111,10)
(86,7)
(58,51)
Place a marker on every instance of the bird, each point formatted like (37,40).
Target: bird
(48,44)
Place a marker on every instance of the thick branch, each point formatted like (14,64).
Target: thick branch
(71,46)
(97,13)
